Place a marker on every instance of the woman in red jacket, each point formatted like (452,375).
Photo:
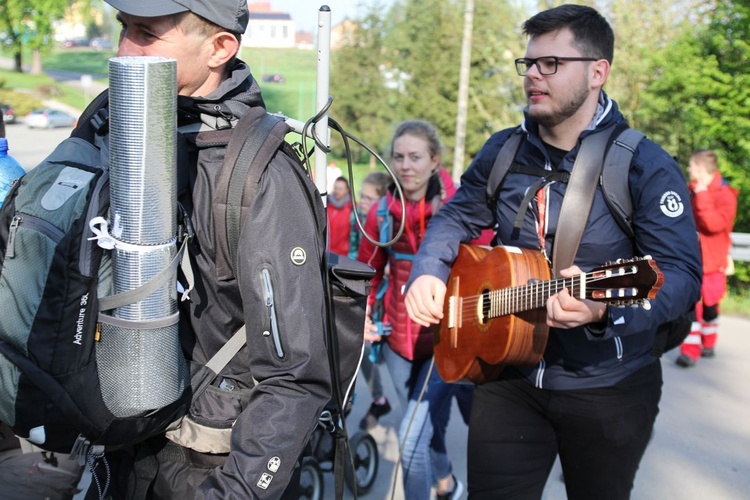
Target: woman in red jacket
(339,212)
(408,349)
(714,208)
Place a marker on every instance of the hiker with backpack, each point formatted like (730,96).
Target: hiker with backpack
(268,399)
(407,347)
(593,397)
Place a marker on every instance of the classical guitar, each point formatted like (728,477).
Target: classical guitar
(495,306)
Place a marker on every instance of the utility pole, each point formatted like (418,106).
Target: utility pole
(463,92)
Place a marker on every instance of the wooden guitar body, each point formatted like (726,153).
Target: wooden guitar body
(473,346)
(495,306)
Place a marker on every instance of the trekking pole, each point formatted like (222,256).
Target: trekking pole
(322,133)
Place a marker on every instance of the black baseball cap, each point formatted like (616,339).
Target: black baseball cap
(231,15)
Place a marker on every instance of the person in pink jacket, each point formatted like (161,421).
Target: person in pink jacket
(714,204)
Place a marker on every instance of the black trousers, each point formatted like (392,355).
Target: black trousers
(517,431)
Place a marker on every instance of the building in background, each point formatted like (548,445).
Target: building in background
(268,28)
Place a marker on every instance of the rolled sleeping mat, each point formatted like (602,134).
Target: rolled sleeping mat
(142,367)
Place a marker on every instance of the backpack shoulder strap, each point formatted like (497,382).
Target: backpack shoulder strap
(615,173)
(253,143)
(385,220)
(502,164)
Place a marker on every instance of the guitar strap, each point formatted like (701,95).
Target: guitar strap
(578,199)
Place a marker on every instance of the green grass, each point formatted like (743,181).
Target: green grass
(26,92)
(736,303)
(85,61)
(296,96)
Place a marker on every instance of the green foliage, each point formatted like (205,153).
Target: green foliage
(22,103)
(88,61)
(698,97)
(362,81)
(29,23)
(406,65)
(28,91)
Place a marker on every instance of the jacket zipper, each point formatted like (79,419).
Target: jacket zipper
(34,223)
(540,374)
(618,348)
(268,290)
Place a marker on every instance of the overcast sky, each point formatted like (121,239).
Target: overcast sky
(305,12)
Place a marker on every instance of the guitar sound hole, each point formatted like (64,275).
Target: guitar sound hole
(484,307)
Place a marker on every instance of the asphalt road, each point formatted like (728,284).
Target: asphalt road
(700,445)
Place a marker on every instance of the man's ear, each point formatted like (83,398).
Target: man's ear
(599,73)
(225,46)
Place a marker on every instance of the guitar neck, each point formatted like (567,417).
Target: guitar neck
(532,296)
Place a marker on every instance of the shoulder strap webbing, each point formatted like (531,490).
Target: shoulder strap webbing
(502,164)
(615,173)
(254,140)
(385,222)
(578,198)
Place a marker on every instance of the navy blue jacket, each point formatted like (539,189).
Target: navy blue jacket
(664,228)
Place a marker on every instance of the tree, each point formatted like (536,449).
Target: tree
(425,45)
(699,92)
(29,23)
(365,91)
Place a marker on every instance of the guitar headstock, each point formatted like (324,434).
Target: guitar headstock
(625,282)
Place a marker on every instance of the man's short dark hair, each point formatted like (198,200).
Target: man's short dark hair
(592,33)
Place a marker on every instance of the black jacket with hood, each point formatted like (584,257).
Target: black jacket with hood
(276,387)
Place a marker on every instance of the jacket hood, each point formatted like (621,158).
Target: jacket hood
(225,104)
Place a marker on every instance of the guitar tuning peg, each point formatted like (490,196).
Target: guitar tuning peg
(647,257)
(646,304)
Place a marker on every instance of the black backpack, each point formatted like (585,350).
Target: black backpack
(620,147)
(52,390)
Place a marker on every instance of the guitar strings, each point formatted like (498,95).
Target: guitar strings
(525,295)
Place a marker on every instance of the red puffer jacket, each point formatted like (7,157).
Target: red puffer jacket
(714,210)
(408,339)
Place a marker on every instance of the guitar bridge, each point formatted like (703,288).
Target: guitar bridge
(451,312)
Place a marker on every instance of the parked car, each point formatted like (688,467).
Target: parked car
(273,78)
(78,42)
(101,44)
(9,116)
(48,118)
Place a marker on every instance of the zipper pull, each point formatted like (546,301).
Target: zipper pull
(10,252)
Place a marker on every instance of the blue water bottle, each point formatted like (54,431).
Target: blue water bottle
(9,169)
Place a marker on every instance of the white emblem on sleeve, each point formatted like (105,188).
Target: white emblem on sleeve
(274,464)
(299,256)
(265,481)
(671,204)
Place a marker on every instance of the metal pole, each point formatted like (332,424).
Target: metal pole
(463,92)
(324,68)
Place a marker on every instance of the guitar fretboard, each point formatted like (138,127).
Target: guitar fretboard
(531,296)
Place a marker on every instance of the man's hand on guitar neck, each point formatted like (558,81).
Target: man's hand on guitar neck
(424,300)
(566,311)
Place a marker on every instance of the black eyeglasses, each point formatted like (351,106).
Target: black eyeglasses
(546,65)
